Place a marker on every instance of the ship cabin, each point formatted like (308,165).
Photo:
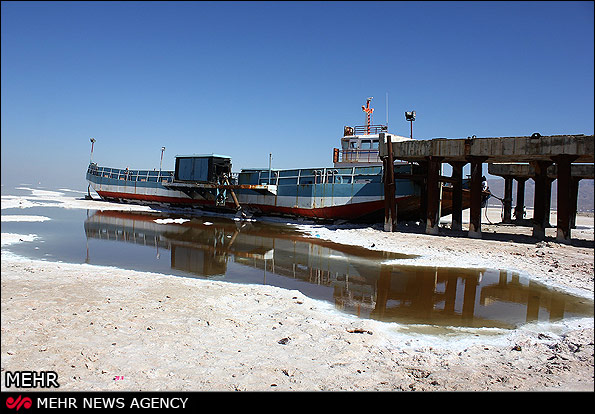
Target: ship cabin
(359,145)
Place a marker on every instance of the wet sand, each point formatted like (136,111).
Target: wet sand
(103,328)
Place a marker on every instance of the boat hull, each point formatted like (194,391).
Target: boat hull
(354,201)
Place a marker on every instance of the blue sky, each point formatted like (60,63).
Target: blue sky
(247,79)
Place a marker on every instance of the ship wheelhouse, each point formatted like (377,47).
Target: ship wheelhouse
(359,145)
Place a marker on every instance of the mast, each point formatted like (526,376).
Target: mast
(368,112)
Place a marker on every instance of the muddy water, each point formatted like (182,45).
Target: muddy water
(354,279)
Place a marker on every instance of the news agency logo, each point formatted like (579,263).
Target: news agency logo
(16,404)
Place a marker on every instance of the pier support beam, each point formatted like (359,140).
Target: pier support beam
(457,195)
(433,209)
(539,206)
(519,210)
(423,199)
(564,197)
(390,204)
(475,210)
(507,218)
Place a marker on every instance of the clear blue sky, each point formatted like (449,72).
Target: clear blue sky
(249,78)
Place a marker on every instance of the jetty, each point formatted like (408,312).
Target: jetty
(520,158)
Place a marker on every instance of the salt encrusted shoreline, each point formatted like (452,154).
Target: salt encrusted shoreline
(92,324)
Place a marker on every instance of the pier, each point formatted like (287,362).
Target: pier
(571,157)
(522,172)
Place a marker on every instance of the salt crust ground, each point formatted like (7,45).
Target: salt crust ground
(91,324)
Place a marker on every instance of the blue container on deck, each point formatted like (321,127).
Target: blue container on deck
(201,168)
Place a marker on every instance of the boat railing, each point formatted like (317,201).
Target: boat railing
(347,175)
(131,175)
(369,130)
(356,155)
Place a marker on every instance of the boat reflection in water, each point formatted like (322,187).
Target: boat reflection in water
(356,280)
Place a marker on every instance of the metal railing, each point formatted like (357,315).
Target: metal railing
(344,175)
(131,175)
(356,155)
(374,129)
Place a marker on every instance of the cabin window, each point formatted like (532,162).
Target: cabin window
(366,144)
(375,144)
(353,145)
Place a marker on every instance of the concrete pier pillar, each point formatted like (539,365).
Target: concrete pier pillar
(457,195)
(475,210)
(423,196)
(563,162)
(390,204)
(507,218)
(540,204)
(433,194)
(519,211)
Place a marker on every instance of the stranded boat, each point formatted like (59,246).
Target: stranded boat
(352,189)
